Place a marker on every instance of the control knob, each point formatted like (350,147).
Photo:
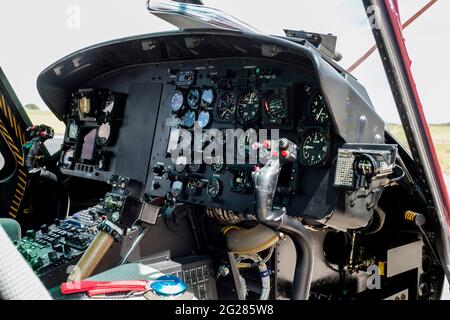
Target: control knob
(45,228)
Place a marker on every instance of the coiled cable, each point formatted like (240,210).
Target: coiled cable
(264,272)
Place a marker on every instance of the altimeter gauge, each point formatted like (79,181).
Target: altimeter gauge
(315,147)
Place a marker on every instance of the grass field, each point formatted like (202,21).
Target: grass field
(47,118)
(440,134)
(441,139)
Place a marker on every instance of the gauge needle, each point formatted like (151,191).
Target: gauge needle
(319,114)
(308,147)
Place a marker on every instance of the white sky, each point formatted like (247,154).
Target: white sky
(34,34)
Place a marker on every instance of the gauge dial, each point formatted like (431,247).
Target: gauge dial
(193,98)
(207,98)
(275,109)
(109,105)
(248,107)
(101,163)
(180,164)
(213,188)
(204,118)
(189,119)
(240,182)
(364,165)
(177,188)
(218,165)
(194,186)
(315,148)
(227,107)
(245,143)
(72,131)
(318,110)
(177,101)
(104,133)
(67,158)
(84,106)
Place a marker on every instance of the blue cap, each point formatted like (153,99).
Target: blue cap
(168,286)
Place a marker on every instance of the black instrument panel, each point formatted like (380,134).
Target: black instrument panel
(193,97)
(93,123)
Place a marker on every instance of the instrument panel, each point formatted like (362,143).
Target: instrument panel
(194,104)
(93,121)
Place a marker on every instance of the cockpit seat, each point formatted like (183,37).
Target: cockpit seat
(12,228)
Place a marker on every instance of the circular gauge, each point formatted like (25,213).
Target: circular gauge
(204,118)
(67,158)
(72,131)
(239,183)
(84,105)
(109,104)
(213,188)
(177,101)
(245,143)
(275,109)
(207,98)
(248,107)
(364,165)
(104,133)
(194,186)
(180,164)
(318,110)
(177,188)
(193,97)
(227,107)
(218,165)
(189,119)
(315,148)
(101,163)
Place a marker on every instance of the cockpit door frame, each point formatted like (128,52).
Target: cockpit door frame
(384,19)
(13,176)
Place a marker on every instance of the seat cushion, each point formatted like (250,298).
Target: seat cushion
(12,228)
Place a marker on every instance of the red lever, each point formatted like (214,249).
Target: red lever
(95,286)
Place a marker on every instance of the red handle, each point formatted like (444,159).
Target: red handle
(86,285)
